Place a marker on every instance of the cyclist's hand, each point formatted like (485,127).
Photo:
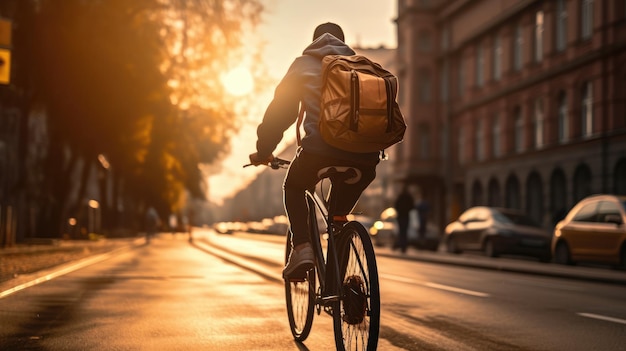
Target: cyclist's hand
(257,161)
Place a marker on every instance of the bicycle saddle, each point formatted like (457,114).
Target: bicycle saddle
(348,175)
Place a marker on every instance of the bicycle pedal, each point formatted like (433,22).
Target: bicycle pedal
(331,298)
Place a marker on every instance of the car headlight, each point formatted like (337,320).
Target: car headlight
(379,225)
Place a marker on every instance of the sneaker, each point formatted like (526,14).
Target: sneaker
(300,261)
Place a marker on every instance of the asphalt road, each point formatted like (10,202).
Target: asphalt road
(225,292)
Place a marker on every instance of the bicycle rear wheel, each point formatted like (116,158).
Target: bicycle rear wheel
(356,317)
(300,296)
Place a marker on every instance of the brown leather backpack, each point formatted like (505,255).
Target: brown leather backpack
(358,111)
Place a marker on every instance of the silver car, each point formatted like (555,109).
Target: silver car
(498,231)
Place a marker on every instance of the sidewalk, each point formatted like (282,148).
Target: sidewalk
(603,274)
(23,259)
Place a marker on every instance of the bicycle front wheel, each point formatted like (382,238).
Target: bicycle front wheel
(356,317)
(300,296)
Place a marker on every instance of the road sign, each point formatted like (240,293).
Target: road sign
(5,52)
(5,66)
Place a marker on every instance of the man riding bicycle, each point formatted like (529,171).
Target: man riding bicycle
(302,84)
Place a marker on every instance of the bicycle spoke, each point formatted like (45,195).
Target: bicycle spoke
(359,255)
(359,308)
(300,296)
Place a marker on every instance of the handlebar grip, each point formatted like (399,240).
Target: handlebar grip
(276,163)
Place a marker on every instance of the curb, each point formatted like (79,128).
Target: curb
(600,275)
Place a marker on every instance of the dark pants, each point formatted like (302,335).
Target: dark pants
(303,175)
(403,229)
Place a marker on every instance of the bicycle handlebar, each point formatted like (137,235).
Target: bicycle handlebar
(276,163)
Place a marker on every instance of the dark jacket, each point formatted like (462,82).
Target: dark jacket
(303,82)
(404,204)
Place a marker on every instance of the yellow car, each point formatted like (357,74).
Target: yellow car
(593,231)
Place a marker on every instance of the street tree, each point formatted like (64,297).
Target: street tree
(130,89)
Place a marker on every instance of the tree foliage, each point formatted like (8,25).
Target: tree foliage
(136,82)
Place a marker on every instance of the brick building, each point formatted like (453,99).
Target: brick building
(516,103)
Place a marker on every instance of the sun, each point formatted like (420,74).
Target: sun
(238,81)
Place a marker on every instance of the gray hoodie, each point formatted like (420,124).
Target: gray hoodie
(303,82)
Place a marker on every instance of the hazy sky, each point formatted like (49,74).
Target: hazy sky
(287,29)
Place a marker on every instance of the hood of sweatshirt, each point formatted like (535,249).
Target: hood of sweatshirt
(327,44)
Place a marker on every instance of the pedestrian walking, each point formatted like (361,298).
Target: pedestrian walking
(403,206)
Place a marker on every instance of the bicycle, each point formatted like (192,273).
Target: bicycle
(344,280)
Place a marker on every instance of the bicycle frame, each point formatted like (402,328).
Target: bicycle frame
(330,284)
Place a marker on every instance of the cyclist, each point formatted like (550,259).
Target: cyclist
(302,84)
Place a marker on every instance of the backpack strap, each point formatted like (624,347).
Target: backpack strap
(299,123)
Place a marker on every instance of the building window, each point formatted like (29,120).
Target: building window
(512,194)
(461,146)
(424,41)
(534,197)
(424,142)
(518,133)
(480,141)
(493,195)
(587,110)
(445,38)
(582,182)
(461,78)
(561,25)
(496,136)
(497,58)
(445,143)
(444,83)
(480,62)
(539,120)
(517,48)
(563,118)
(619,176)
(424,85)
(539,36)
(586,23)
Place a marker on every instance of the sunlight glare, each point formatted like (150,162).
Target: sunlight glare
(238,81)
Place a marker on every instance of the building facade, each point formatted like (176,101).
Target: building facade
(516,103)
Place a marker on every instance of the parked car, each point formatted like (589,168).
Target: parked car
(498,231)
(384,231)
(594,230)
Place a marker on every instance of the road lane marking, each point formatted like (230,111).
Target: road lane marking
(435,285)
(58,273)
(457,290)
(603,318)
(399,278)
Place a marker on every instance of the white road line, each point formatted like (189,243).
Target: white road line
(603,318)
(457,290)
(435,285)
(399,278)
(56,274)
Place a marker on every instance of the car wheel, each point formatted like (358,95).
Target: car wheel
(490,250)
(452,246)
(562,254)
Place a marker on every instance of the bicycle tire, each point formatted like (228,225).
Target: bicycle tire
(300,298)
(356,316)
